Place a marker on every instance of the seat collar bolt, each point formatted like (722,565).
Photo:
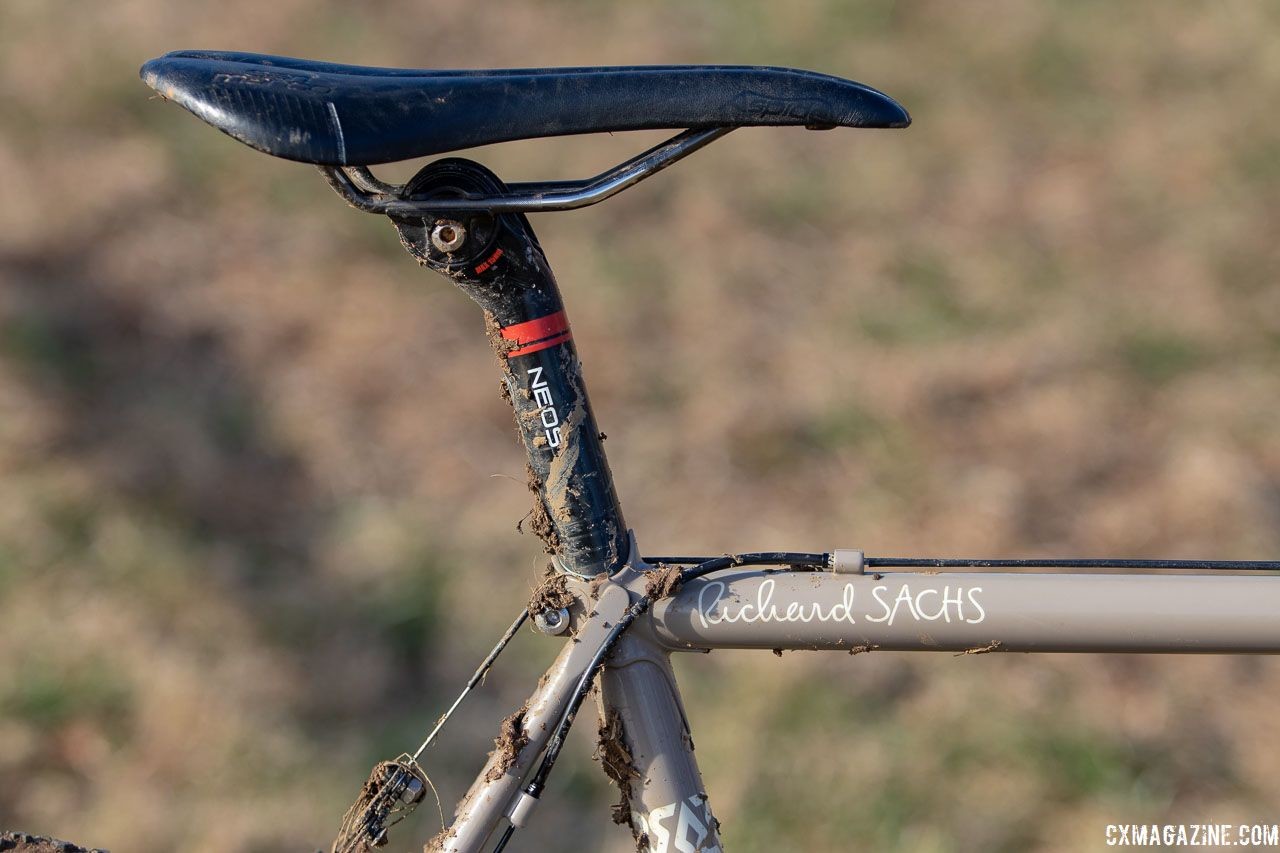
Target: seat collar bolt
(552,621)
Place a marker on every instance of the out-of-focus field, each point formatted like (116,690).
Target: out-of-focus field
(258,492)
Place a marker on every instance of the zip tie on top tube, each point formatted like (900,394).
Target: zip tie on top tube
(848,561)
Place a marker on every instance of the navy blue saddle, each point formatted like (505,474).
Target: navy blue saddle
(350,115)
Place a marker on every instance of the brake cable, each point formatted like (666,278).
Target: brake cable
(476,678)
(1034,563)
(395,788)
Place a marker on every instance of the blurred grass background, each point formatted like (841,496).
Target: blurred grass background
(251,536)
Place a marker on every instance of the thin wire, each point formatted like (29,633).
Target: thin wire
(1036,563)
(439,805)
(760,558)
(475,679)
(1069,563)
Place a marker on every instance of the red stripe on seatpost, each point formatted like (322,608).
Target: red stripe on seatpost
(540,345)
(538,334)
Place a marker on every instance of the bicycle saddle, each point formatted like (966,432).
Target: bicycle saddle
(350,115)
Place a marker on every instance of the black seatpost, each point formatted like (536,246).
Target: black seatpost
(496,260)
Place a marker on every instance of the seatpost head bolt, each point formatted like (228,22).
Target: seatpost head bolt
(552,621)
(448,236)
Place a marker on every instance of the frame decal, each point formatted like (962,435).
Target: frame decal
(958,603)
(683,827)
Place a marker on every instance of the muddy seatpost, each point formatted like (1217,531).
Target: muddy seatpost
(497,261)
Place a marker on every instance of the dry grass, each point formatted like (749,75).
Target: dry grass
(249,532)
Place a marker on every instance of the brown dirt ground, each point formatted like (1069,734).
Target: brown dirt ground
(21,842)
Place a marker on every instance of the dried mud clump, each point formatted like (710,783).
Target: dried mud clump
(615,758)
(352,829)
(507,745)
(538,517)
(541,525)
(21,842)
(663,581)
(552,593)
(436,842)
(501,346)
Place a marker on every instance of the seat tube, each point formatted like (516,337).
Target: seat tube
(501,266)
(646,747)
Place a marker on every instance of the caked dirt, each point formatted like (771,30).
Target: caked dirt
(500,345)
(552,593)
(563,483)
(663,581)
(351,832)
(21,842)
(990,647)
(616,761)
(538,518)
(507,745)
(436,842)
